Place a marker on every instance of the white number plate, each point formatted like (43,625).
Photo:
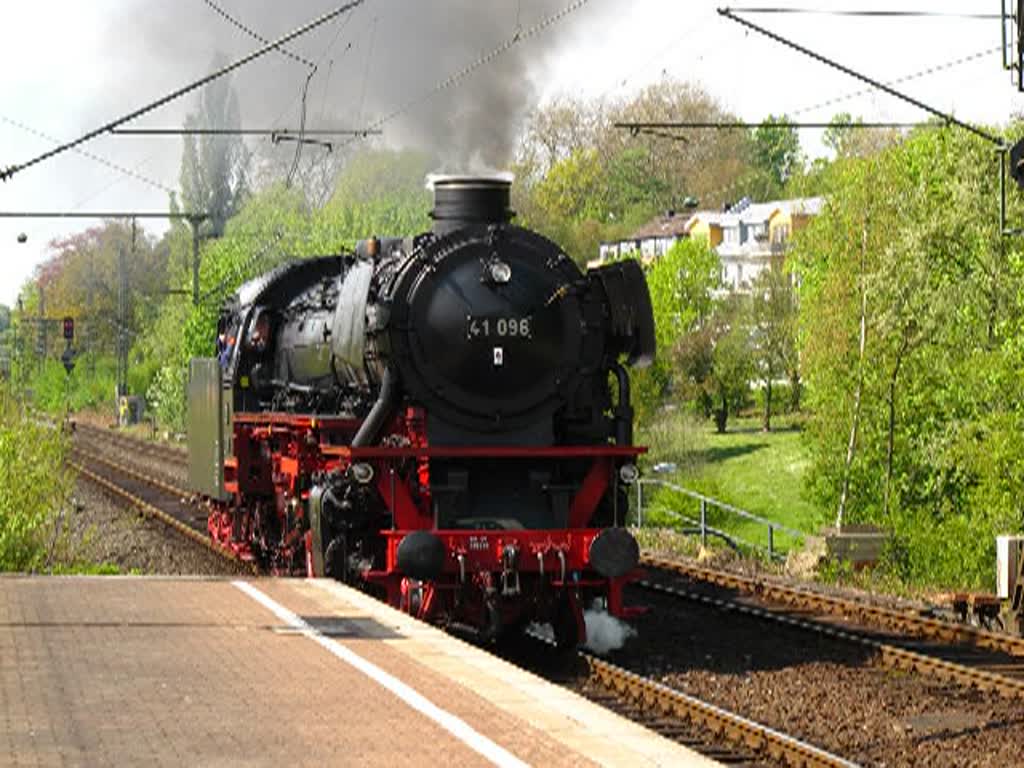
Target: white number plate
(499,327)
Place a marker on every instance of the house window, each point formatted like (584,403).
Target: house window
(732,235)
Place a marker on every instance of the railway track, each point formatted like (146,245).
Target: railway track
(676,715)
(820,604)
(809,602)
(719,734)
(965,656)
(174,455)
(964,664)
(154,497)
(713,731)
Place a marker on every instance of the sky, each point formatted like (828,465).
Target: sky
(71,66)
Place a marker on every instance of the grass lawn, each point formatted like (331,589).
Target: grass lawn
(760,472)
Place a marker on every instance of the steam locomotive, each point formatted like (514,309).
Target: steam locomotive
(443,419)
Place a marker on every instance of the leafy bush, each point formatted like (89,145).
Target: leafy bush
(166,396)
(34,486)
(88,386)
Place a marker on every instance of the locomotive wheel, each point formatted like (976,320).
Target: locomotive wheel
(411,591)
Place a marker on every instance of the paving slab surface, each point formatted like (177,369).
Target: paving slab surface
(208,672)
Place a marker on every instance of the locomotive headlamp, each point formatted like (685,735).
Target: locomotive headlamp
(499,271)
(614,552)
(421,555)
(629,474)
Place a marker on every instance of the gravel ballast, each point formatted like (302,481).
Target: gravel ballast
(831,694)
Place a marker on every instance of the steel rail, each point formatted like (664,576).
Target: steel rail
(764,589)
(876,615)
(889,654)
(741,730)
(142,477)
(151,510)
(646,693)
(171,453)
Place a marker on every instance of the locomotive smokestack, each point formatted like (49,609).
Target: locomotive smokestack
(461,201)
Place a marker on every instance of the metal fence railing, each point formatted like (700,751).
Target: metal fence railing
(704,528)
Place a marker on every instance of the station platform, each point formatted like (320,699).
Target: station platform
(206,672)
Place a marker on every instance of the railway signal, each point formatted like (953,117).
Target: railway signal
(69,328)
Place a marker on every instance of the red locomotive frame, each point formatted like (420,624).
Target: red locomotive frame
(275,455)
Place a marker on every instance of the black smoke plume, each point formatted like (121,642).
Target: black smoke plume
(374,60)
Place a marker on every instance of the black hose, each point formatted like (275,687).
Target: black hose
(381,411)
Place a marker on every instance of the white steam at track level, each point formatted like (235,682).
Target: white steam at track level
(605,632)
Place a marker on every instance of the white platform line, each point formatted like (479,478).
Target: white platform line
(454,725)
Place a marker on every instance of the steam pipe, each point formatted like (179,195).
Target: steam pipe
(624,409)
(381,411)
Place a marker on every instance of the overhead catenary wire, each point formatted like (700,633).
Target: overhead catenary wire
(327,85)
(366,71)
(869,80)
(244,131)
(119,180)
(301,140)
(236,272)
(695,23)
(128,172)
(935,68)
(7,173)
(348,18)
(890,13)
(256,35)
(183,215)
(461,74)
(279,234)
(635,127)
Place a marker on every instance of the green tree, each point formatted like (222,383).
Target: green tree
(910,328)
(214,167)
(567,191)
(581,181)
(709,165)
(682,285)
(773,314)
(847,137)
(775,157)
(715,360)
